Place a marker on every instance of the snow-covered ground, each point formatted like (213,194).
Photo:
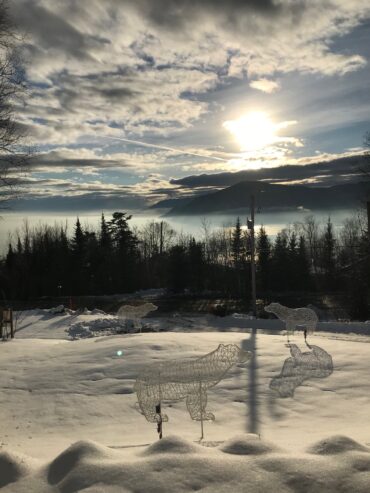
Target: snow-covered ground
(55,391)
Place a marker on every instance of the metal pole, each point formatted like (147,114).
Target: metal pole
(161,240)
(201,410)
(253,262)
(368,218)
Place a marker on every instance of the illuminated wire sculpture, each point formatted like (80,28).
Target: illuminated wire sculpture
(176,380)
(135,313)
(299,367)
(293,317)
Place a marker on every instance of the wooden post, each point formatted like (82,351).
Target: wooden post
(11,323)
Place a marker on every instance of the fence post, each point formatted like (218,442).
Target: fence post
(11,323)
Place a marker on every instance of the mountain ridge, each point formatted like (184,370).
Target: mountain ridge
(273,197)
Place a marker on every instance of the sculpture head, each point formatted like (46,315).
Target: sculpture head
(149,307)
(272,307)
(231,352)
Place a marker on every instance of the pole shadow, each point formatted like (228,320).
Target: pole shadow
(250,345)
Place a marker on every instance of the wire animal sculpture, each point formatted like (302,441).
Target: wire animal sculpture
(135,313)
(294,317)
(299,367)
(176,380)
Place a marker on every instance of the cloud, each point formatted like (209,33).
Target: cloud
(153,70)
(80,195)
(265,85)
(143,66)
(65,158)
(322,170)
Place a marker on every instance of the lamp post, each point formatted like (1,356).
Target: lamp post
(250,223)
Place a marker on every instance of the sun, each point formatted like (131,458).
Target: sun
(253,131)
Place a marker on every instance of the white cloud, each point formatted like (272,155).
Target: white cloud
(150,70)
(265,85)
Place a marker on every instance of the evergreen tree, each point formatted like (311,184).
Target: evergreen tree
(126,255)
(78,262)
(105,239)
(303,265)
(178,269)
(19,246)
(281,277)
(104,260)
(9,261)
(196,265)
(78,240)
(237,244)
(293,280)
(263,250)
(120,232)
(328,256)
(238,255)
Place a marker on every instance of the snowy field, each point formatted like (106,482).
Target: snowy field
(70,420)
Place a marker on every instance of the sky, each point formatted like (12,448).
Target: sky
(131,102)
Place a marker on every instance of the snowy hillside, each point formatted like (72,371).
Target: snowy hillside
(70,420)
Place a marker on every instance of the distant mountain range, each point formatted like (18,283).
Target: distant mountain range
(269,197)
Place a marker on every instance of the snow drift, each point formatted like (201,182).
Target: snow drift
(174,465)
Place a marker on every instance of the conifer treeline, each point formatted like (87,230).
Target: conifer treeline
(115,259)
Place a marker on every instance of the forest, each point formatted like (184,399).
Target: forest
(306,257)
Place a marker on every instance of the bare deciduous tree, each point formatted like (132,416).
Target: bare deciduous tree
(12,86)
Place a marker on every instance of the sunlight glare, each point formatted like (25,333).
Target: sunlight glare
(253,131)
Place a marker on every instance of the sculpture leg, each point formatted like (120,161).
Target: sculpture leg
(196,404)
(136,324)
(289,330)
(148,400)
(149,411)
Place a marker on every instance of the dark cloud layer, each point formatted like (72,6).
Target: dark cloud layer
(80,203)
(54,31)
(325,173)
(175,13)
(55,159)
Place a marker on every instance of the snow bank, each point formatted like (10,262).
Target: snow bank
(248,444)
(174,465)
(173,445)
(12,468)
(335,445)
(105,326)
(55,392)
(96,327)
(74,456)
